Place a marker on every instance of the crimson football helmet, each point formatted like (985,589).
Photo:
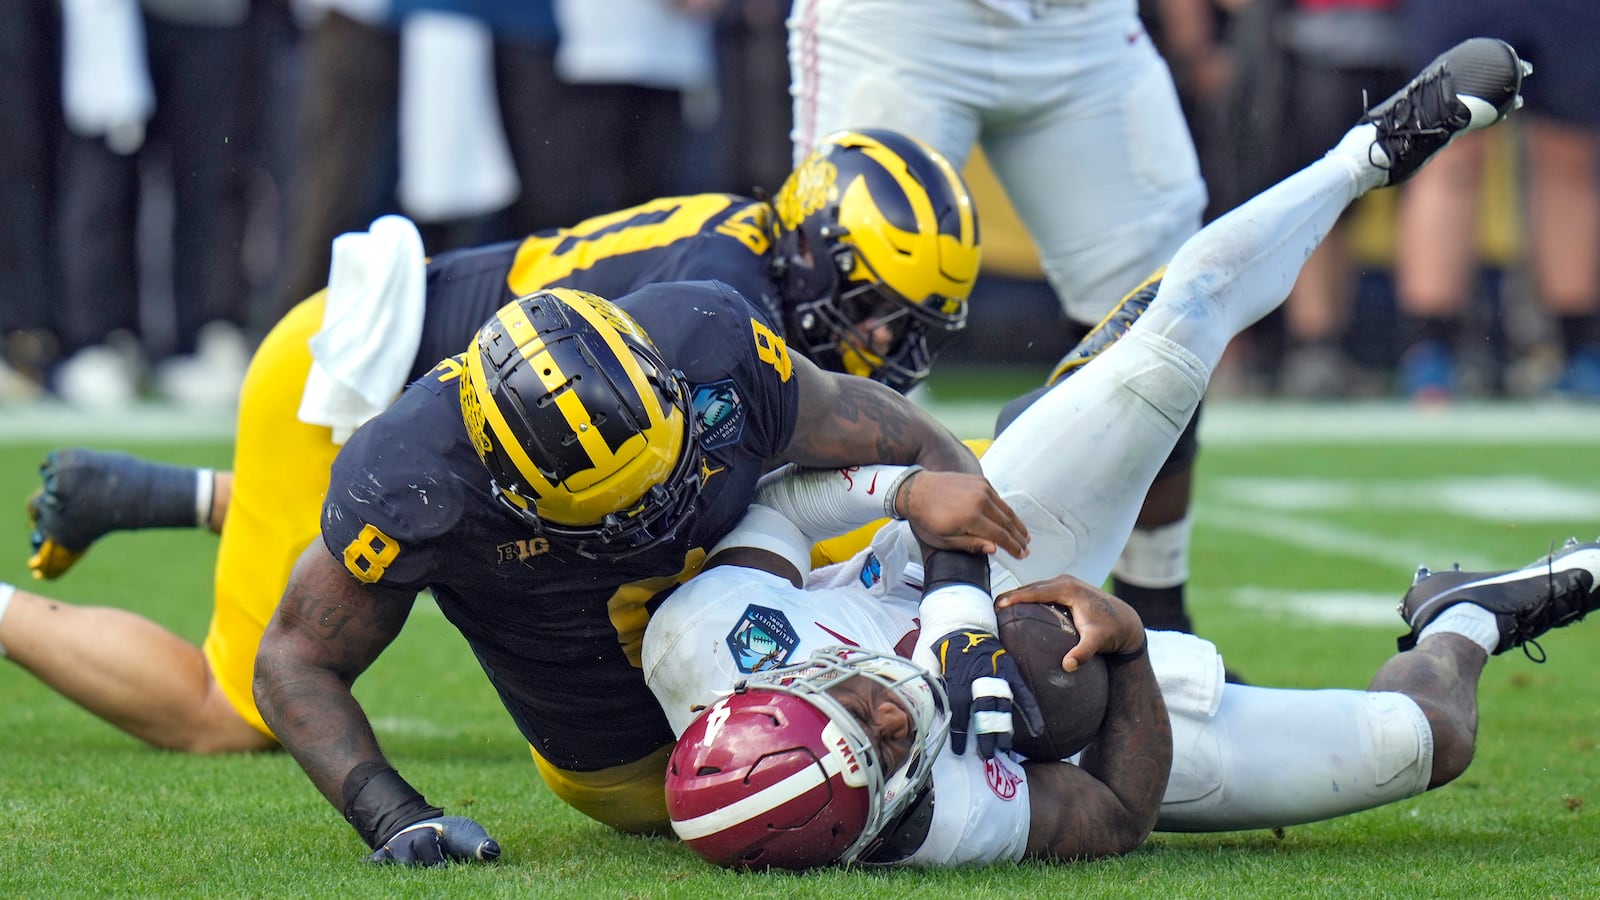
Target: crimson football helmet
(875,225)
(780,774)
(582,425)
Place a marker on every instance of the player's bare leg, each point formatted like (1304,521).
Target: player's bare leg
(1441,676)
(127,670)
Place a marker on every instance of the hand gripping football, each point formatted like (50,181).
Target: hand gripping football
(1037,636)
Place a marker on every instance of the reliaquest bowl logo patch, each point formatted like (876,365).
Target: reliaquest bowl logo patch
(762,639)
(718,414)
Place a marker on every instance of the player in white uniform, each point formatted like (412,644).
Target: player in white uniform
(1078,116)
(1072,466)
(1073,107)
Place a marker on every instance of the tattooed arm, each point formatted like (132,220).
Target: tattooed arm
(845,420)
(1108,803)
(326,631)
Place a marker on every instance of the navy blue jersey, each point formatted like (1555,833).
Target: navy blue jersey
(719,237)
(409,506)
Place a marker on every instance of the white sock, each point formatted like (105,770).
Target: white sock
(6,591)
(1369,163)
(204,487)
(1156,557)
(1469,620)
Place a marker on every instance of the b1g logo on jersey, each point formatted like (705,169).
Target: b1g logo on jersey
(718,414)
(762,639)
(1002,778)
(517,551)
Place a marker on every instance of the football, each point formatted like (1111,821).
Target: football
(1037,636)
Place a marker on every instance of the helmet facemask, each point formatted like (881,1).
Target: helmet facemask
(920,695)
(837,330)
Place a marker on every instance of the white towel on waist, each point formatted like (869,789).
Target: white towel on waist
(454,160)
(105,76)
(371,328)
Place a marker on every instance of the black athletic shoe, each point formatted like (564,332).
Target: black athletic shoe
(1470,86)
(1548,593)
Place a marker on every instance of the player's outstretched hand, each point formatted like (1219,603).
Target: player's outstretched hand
(1105,623)
(57,541)
(437,841)
(961,511)
(984,685)
(85,494)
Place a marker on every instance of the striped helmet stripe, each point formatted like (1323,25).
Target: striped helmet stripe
(765,800)
(536,485)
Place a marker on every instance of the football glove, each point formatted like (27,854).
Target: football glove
(984,685)
(437,841)
(88,493)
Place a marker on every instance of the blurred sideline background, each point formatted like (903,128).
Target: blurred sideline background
(141,259)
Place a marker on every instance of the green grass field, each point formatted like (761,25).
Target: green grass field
(1308,528)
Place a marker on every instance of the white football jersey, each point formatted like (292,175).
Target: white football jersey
(729,620)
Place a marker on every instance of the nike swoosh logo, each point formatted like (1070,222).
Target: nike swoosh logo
(874,486)
(836,634)
(1482,111)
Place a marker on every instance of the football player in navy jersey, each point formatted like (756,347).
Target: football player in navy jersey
(862,262)
(576,462)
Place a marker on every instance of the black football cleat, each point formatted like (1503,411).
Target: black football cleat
(1550,592)
(1470,86)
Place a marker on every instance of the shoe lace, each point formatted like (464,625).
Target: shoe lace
(1569,602)
(1399,125)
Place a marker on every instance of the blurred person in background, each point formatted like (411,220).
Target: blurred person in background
(160,93)
(30,117)
(1436,262)
(628,68)
(1333,50)
(345,146)
(1078,115)
(483,120)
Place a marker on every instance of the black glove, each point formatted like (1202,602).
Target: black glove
(436,841)
(87,494)
(984,683)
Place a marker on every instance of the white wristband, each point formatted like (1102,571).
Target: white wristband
(6,590)
(204,488)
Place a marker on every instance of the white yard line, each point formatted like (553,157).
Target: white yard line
(1242,423)
(1224,423)
(1331,607)
(1326,539)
